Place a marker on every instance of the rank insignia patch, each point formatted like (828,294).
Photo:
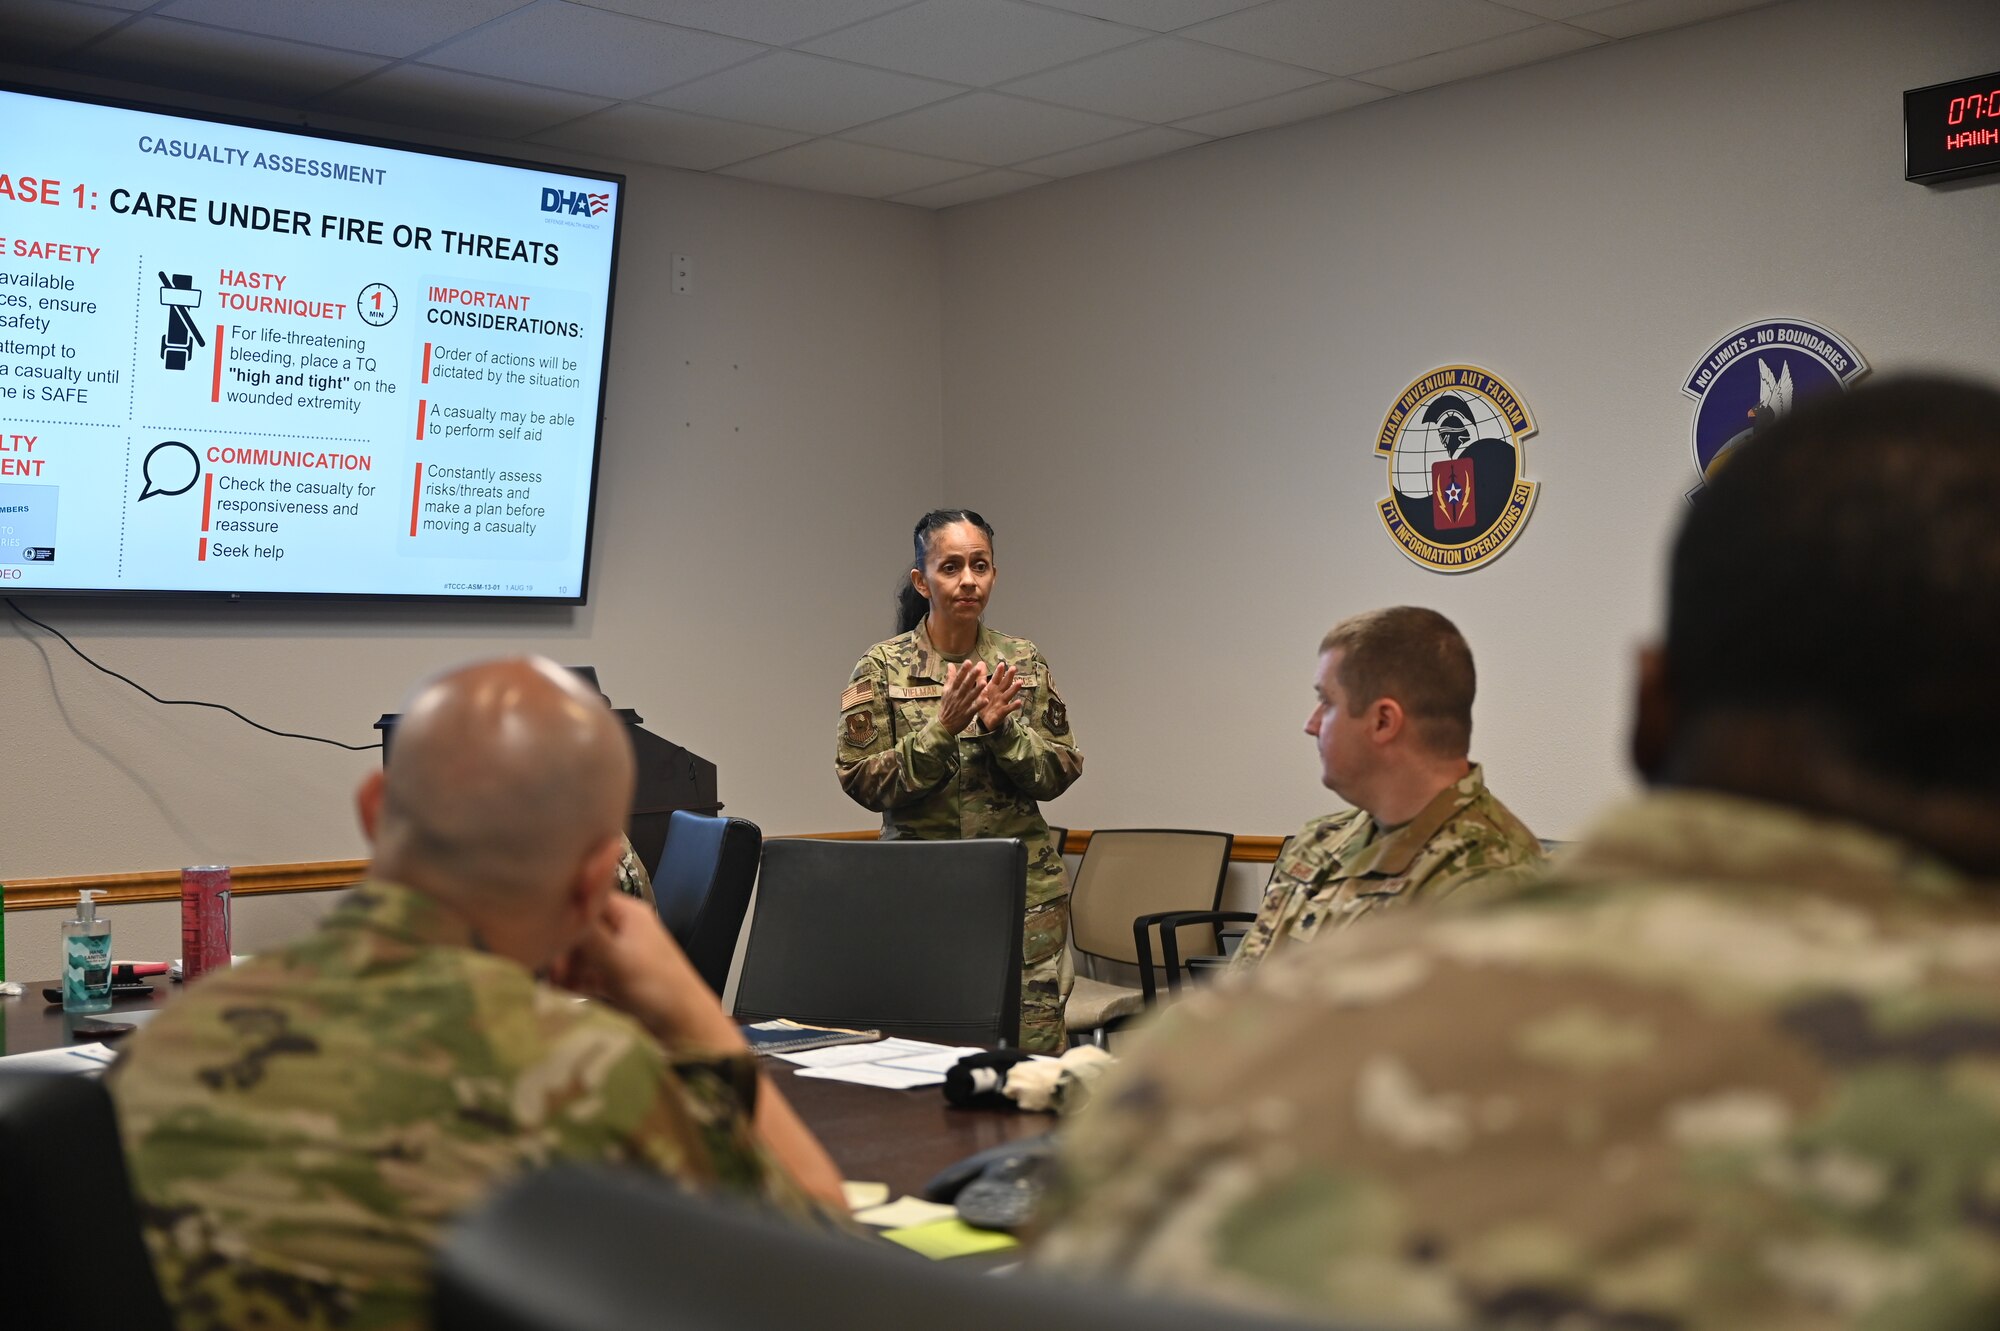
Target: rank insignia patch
(1753,376)
(1457,497)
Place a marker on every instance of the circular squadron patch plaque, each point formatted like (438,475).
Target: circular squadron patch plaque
(1457,497)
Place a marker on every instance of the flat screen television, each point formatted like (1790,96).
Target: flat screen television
(243,360)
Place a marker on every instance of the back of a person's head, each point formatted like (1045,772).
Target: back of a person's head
(502,777)
(1841,573)
(1419,658)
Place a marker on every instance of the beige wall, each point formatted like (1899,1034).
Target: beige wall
(1162,383)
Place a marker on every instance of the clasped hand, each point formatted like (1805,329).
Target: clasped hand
(969,691)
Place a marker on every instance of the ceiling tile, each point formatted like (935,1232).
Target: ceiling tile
(779,22)
(45,29)
(805,92)
(1284,109)
(1629,20)
(985,185)
(170,54)
(460,103)
(1509,52)
(580,49)
(1153,141)
(1162,79)
(839,167)
(989,128)
(1342,36)
(977,42)
(654,134)
(1159,15)
(382,27)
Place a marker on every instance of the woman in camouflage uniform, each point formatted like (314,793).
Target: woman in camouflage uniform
(952,730)
(633,880)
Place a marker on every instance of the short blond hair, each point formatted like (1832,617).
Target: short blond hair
(1419,658)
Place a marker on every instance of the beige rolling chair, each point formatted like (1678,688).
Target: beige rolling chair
(1127,874)
(1198,964)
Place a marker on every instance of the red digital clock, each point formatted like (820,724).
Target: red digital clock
(1952,129)
(1974,106)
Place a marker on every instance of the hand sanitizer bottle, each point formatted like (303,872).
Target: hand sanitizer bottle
(86,981)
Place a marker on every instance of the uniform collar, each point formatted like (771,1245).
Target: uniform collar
(1696,833)
(931,663)
(403,915)
(1394,851)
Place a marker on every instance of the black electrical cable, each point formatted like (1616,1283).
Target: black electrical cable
(182,702)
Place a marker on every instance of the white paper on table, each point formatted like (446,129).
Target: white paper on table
(875,1051)
(174,970)
(944,1060)
(835,1056)
(894,1047)
(873,1074)
(88,1059)
(905,1211)
(862,1196)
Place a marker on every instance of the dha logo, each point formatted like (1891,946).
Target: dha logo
(575,202)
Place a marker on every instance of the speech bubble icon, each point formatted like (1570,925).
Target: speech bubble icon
(163,468)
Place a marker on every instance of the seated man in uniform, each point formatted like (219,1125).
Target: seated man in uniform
(302,1126)
(1735,1063)
(1393,722)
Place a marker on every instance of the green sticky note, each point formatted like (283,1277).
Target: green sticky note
(949,1238)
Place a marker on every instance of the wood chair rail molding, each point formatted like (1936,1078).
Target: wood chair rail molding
(247,880)
(125,889)
(1245,849)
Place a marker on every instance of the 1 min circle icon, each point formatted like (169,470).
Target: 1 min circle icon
(376,304)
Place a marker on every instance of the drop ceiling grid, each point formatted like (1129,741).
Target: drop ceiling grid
(930,102)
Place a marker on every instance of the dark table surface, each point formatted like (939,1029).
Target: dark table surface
(899,1138)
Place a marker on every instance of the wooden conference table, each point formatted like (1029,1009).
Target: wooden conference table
(900,1138)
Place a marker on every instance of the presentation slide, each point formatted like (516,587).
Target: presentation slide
(238,359)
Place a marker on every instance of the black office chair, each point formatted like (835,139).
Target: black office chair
(703,887)
(74,1241)
(595,1250)
(918,938)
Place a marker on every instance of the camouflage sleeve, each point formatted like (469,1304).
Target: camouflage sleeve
(1038,753)
(878,770)
(607,1091)
(1263,931)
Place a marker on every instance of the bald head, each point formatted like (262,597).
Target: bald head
(505,777)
